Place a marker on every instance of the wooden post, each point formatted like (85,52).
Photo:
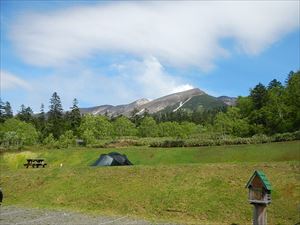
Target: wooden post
(259,214)
(259,196)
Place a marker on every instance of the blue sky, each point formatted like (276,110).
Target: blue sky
(117,52)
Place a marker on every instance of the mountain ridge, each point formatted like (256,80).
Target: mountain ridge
(190,99)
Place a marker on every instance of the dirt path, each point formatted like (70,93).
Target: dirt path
(10,215)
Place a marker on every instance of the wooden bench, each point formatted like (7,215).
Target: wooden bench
(35,163)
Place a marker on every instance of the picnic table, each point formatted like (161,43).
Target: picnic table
(35,163)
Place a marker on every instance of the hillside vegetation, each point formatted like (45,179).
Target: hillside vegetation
(270,111)
(188,185)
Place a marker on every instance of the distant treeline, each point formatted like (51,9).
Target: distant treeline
(267,110)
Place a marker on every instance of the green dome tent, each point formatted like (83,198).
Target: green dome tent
(112,159)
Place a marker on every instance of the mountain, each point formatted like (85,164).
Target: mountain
(192,99)
(231,101)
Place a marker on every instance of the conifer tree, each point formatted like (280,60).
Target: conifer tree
(55,124)
(25,114)
(74,117)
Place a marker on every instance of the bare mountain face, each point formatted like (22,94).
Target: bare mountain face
(191,99)
(231,101)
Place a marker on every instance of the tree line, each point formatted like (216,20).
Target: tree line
(268,110)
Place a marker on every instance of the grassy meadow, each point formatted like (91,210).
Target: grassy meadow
(186,185)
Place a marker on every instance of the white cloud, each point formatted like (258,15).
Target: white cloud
(150,78)
(130,81)
(9,81)
(186,33)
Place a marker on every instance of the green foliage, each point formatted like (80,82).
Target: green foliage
(148,127)
(98,127)
(50,142)
(225,140)
(40,123)
(67,140)
(122,126)
(88,137)
(169,129)
(259,96)
(25,114)
(10,139)
(272,110)
(73,118)
(5,111)
(55,123)
(16,132)
(231,122)
(292,98)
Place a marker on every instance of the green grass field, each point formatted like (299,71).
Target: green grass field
(187,185)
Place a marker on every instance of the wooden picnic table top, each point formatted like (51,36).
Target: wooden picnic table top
(35,160)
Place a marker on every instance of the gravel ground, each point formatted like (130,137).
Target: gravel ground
(10,215)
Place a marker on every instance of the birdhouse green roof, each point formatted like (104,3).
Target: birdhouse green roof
(263,178)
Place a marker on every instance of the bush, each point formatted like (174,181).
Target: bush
(226,140)
(17,133)
(168,144)
(10,138)
(261,138)
(67,140)
(285,137)
(50,142)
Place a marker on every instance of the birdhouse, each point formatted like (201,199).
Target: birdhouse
(259,188)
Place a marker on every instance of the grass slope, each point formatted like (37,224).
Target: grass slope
(188,185)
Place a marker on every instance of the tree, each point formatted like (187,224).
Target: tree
(20,132)
(188,128)
(231,123)
(25,114)
(124,127)
(274,84)
(74,117)
(5,111)
(67,139)
(135,117)
(41,119)
(40,123)
(55,124)
(148,127)
(168,129)
(275,110)
(245,104)
(292,99)
(50,142)
(259,96)
(97,126)
(8,111)
(88,136)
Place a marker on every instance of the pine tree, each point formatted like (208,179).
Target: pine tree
(55,123)
(259,96)
(41,120)
(74,117)
(8,111)
(5,111)
(25,114)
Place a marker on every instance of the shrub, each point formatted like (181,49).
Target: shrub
(67,139)
(17,133)
(50,142)
(168,144)
(285,137)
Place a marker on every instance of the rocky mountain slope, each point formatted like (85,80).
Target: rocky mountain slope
(191,99)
